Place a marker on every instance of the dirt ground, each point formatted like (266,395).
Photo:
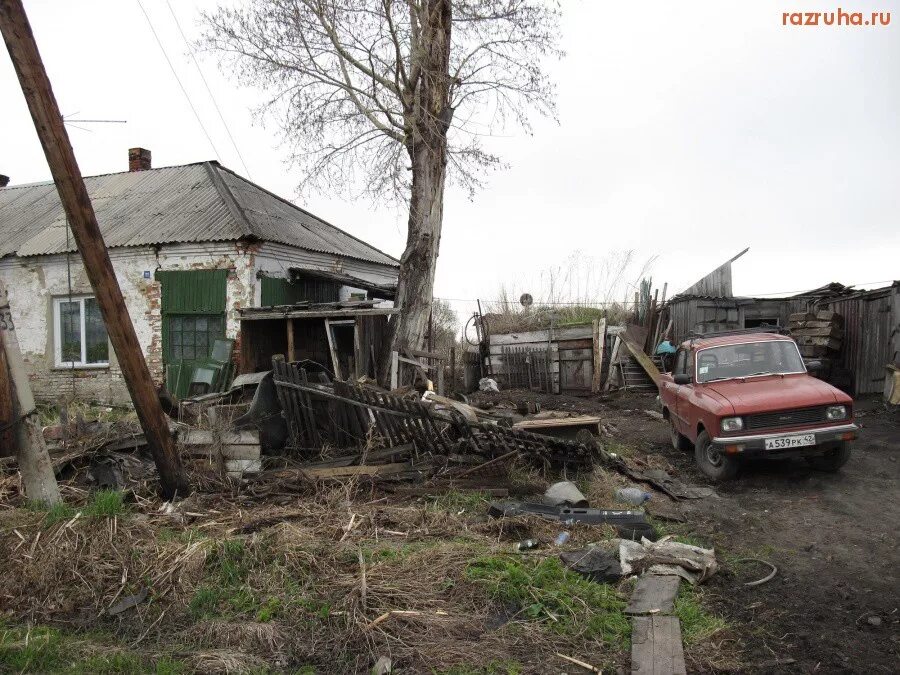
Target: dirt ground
(834,606)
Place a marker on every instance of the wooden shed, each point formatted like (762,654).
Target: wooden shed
(344,338)
(871,335)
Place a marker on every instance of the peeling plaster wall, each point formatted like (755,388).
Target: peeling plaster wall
(33,282)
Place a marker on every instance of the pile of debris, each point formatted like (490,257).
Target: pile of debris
(819,336)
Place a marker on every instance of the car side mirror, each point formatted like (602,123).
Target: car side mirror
(814,366)
(682,378)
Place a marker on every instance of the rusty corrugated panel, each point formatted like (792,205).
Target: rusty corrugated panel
(181,204)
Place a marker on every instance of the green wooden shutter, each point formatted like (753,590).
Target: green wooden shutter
(193,291)
(190,292)
(280,291)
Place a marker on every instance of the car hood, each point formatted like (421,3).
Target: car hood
(775,392)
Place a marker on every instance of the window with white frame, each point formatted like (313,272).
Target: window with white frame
(79,332)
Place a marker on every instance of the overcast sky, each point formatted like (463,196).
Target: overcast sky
(687,131)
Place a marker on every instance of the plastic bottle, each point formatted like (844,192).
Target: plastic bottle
(632,495)
(561,538)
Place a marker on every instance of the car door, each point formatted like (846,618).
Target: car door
(681,392)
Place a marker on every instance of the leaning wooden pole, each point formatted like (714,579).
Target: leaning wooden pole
(50,128)
(31,452)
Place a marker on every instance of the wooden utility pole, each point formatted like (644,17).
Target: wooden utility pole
(31,452)
(55,140)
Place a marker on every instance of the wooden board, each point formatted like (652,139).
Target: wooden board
(829,331)
(236,452)
(375,470)
(599,345)
(557,423)
(205,437)
(654,594)
(656,646)
(648,365)
(568,333)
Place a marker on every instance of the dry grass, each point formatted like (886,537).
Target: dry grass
(236,582)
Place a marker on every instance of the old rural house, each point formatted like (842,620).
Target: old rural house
(191,245)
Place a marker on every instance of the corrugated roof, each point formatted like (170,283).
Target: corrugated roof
(180,204)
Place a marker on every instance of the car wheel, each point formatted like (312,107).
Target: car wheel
(833,459)
(712,461)
(679,440)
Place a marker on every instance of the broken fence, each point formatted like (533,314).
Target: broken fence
(345,415)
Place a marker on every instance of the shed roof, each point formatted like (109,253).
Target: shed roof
(191,203)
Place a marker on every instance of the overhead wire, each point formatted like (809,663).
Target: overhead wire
(208,89)
(178,79)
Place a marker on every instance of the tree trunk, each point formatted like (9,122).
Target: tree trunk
(428,121)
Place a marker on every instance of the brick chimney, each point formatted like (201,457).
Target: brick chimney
(4,180)
(138,159)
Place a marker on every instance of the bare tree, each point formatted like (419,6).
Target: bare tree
(382,97)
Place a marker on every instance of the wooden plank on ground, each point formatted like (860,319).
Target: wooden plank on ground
(374,470)
(558,422)
(654,594)
(206,437)
(645,361)
(656,646)
(226,451)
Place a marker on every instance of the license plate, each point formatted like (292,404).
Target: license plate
(790,442)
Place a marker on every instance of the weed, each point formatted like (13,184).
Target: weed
(228,562)
(167,666)
(108,664)
(270,609)
(35,649)
(493,668)
(456,501)
(186,536)
(546,591)
(697,624)
(58,513)
(106,504)
(205,602)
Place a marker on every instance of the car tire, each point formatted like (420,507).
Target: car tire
(715,464)
(679,440)
(832,460)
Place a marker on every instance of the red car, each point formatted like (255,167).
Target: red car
(748,394)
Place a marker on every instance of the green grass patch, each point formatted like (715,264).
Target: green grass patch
(106,504)
(34,650)
(456,501)
(226,591)
(39,649)
(547,592)
(697,624)
(57,513)
(493,668)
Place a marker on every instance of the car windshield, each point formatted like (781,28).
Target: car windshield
(748,359)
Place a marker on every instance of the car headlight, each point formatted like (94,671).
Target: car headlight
(732,424)
(836,412)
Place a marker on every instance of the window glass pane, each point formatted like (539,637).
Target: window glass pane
(95,332)
(70,331)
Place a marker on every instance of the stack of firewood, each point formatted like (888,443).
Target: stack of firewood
(819,336)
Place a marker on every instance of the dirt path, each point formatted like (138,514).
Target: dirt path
(833,607)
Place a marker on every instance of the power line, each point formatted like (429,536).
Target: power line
(208,90)
(178,79)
